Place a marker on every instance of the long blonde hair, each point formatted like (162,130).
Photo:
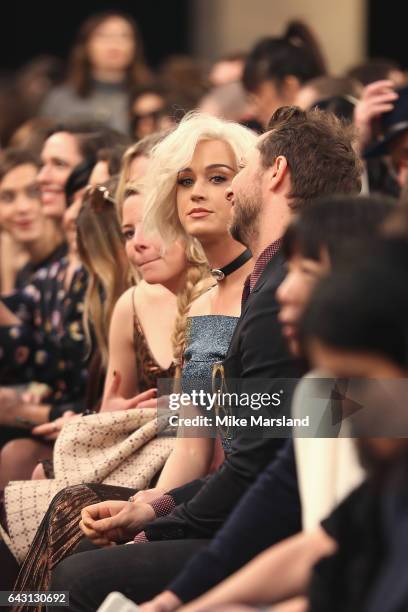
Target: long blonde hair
(101,249)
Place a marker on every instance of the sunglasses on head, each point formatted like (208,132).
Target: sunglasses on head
(99,197)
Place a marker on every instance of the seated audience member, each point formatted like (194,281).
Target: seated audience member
(392,140)
(227,69)
(263,186)
(229,101)
(338,95)
(186,77)
(378,69)
(32,134)
(352,330)
(49,334)
(106,62)
(68,146)
(22,217)
(148,110)
(108,164)
(276,68)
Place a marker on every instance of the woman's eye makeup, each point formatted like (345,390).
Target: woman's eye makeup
(187,181)
(218,178)
(184,181)
(128,234)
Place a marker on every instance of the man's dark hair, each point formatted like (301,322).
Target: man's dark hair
(319,150)
(364,308)
(14,157)
(341,225)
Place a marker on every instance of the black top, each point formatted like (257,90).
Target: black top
(369,570)
(26,273)
(257,351)
(48,346)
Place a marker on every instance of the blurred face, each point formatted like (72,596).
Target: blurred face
(112,45)
(99,174)
(294,294)
(60,155)
(166,268)
(70,221)
(203,208)
(245,195)
(306,97)
(399,157)
(226,72)
(20,205)
(146,113)
(269,97)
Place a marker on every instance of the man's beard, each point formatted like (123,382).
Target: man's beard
(245,221)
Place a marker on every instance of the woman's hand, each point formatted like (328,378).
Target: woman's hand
(51,431)
(113,401)
(15,412)
(114,521)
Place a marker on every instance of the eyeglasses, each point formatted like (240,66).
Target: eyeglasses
(99,197)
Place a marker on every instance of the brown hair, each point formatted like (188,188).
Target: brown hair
(101,250)
(80,75)
(297,53)
(319,150)
(13,157)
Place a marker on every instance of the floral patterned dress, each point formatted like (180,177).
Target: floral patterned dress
(49,345)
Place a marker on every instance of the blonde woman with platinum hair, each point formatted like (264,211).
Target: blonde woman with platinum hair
(173,154)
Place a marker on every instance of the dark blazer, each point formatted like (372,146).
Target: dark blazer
(257,351)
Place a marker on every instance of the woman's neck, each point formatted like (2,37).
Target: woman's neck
(42,248)
(222,251)
(109,76)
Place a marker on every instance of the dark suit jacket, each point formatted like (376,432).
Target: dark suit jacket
(257,351)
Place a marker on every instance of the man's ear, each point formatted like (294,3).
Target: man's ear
(278,173)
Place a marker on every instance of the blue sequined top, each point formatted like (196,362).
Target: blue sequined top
(207,341)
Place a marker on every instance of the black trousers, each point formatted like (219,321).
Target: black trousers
(139,571)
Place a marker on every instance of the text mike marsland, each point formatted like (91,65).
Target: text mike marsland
(232,421)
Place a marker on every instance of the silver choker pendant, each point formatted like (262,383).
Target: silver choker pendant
(218,274)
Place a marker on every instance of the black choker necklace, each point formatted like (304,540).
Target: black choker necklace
(220,273)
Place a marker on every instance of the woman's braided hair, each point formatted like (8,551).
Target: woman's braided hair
(198,280)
